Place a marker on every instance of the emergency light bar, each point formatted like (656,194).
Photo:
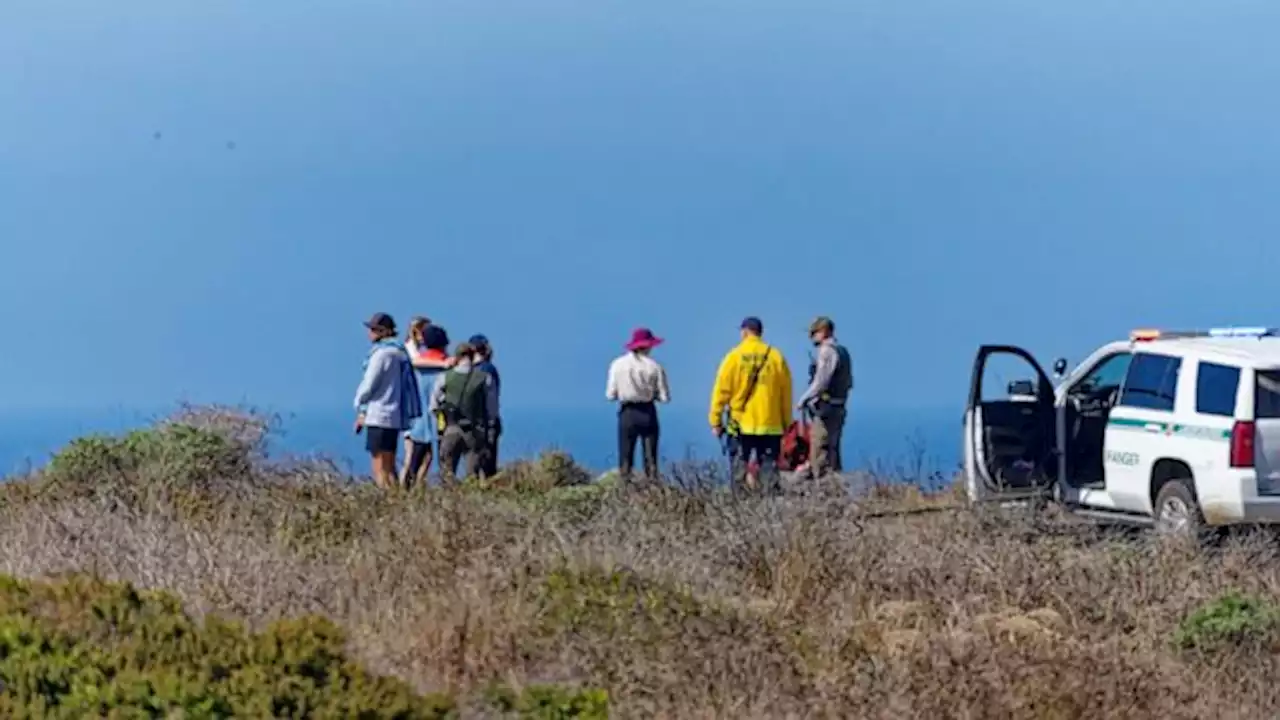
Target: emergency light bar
(1147,335)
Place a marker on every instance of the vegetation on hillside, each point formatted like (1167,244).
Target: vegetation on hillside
(174,572)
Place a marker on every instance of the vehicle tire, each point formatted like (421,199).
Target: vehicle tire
(1176,510)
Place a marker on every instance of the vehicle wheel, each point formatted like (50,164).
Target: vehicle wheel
(1176,510)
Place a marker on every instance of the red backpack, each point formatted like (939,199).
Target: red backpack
(795,449)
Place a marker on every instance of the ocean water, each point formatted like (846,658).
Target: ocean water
(905,443)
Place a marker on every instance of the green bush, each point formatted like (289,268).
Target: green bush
(81,647)
(171,455)
(1232,619)
(551,470)
(627,631)
(553,482)
(551,702)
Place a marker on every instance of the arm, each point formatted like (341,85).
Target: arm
(437,395)
(786,390)
(420,361)
(491,398)
(664,390)
(377,366)
(826,367)
(611,384)
(722,391)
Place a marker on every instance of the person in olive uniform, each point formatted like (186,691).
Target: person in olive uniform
(465,403)
(830,380)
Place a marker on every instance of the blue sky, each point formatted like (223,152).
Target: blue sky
(932,174)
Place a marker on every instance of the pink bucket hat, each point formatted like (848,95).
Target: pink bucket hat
(642,338)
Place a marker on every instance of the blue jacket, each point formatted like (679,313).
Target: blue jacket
(487,366)
(388,394)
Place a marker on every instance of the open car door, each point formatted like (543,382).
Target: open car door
(1010,433)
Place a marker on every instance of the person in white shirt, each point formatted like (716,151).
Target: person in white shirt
(637,383)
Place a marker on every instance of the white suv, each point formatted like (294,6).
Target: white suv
(1177,428)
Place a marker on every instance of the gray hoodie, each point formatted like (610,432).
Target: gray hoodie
(381,390)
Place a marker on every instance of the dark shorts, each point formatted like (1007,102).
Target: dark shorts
(381,440)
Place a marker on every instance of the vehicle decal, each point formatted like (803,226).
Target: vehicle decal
(1118,457)
(1199,432)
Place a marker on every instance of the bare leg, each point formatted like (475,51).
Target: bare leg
(389,469)
(385,470)
(425,468)
(408,457)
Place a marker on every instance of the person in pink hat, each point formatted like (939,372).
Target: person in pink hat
(638,383)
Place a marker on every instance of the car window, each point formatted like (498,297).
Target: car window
(1108,373)
(1266,395)
(1001,371)
(1216,389)
(1152,382)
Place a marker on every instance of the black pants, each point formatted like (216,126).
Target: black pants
(765,449)
(638,421)
(489,464)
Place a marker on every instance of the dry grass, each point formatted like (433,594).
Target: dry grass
(683,602)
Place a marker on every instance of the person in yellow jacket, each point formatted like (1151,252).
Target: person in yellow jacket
(754,384)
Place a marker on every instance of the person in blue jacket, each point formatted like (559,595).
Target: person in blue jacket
(387,400)
(428,347)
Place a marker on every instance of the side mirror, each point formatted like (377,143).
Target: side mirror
(1060,367)
(1024,388)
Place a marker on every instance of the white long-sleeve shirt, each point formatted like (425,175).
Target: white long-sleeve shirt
(636,378)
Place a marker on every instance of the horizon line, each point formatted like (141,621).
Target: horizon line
(163,409)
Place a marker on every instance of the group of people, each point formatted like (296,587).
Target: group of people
(415,392)
(751,403)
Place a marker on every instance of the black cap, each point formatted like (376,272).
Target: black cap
(753,324)
(381,321)
(435,338)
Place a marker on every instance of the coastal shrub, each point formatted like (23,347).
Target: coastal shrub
(550,470)
(80,647)
(245,428)
(170,455)
(676,600)
(1231,620)
(551,702)
(552,482)
(630,632)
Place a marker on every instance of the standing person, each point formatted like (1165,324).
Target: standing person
(754,383)
(830,380)
(387,400)
(413,338)
(636,381)
(427,345)
(484,361)
(465,400)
